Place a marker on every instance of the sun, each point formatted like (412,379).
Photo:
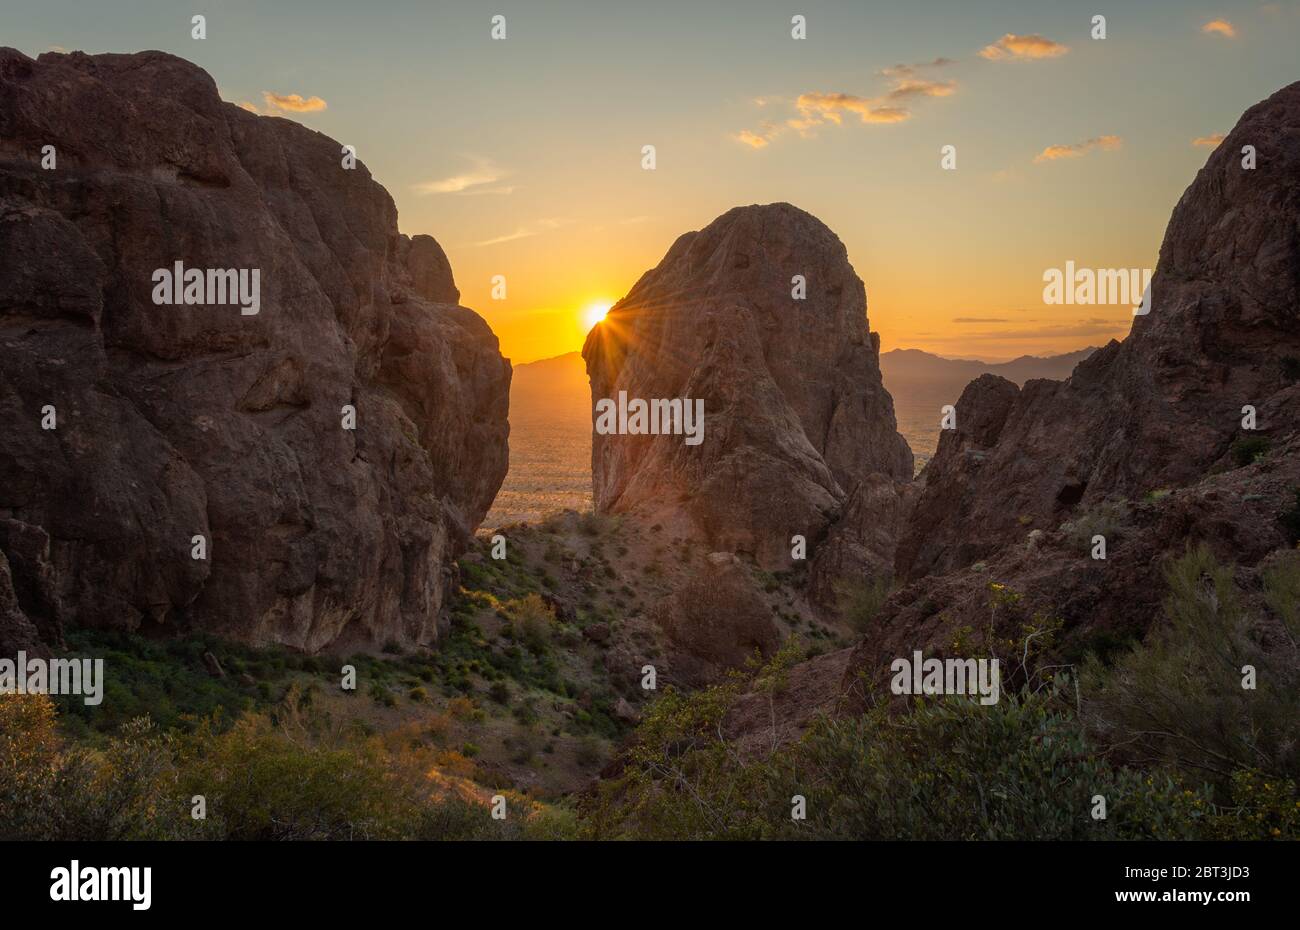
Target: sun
(593,313)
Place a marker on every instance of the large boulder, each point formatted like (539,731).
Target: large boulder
(173,422)
(795,413)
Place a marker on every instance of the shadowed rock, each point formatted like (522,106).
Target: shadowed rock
(794,410)
(183,421)
(1164,406)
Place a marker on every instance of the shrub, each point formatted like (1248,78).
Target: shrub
(945,768)
(1249,449)
(588,752)
(1179,698)
(1109,518)
(263,778)
(1282,592)
(861,601)
(1290,520)
(533,620)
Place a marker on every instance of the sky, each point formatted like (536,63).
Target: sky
(523,156)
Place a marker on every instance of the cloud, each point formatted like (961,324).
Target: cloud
(914,87)
(468,183)
(293,103)
(833,107)
(979,319)
(1079,149)
(1211,141)
(1220,27)
(1012,47)
(902,71)
(526,232)
(820,108)
(250,107)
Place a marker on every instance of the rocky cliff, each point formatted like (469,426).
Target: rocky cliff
(131,428)
(1144,444)
(1163,407)
(795,414)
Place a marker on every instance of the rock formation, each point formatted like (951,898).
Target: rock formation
(1164,406)
(1144,439)
(795,413)
(172,422)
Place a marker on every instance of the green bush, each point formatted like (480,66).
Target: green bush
(281,777)
(1290,520)
(1249,449)
(947,768)
(1109,518)
(860,602)
(1179,699)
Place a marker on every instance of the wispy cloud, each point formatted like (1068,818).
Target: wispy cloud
(293,103)
(752,139)
(1220,27)
(903,71)
(478,180)
(1012,47)
(1211,141)
(526,232)
(1079,149)
(250,107)
(979,319)
(916,87)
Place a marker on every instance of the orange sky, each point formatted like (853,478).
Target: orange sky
(522,156)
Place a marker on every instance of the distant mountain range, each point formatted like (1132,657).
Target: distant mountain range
(566,375)
(550,405)
(910,365)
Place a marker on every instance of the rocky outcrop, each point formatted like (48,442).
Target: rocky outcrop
(1164,407)
(1143,444)
(131,428)
(795,413)
(861,545)
(1051,580)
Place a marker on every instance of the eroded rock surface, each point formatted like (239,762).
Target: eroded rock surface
(1163,407)
(183,421)
(795,412)
(1144,443)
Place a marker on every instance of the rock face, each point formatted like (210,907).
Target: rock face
(1017,491)
(1164,406)
(795,413)
(174,421)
